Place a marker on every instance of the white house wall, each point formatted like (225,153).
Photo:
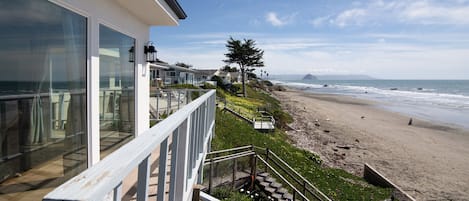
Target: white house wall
(112,15)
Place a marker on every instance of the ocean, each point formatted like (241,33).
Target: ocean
(444,101)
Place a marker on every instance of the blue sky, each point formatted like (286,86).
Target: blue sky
(392,39)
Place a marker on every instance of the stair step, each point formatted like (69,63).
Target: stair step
(276,185)
(270,179)
(269,189)
(276,196)
(264,174)
(282,190)
(288,196)
(264,184)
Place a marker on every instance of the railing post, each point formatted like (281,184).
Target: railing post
(104,102)
(143,179)
(117,192)
(234,174)
(174,154)
(200,173)
(179,98)
(196,193)
(210,175)
(157,106)
(304,189)
(266,158)
(162,169)
(189,94)
(114,100)
(253,170)
(168,103)
(182,175)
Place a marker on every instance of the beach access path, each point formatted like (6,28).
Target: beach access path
(429,161)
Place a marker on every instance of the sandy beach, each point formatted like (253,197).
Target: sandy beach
(427,160)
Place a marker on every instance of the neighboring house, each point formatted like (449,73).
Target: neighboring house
(172,74)
(74,86)
(229,77)
(157,74)
(203,75)
(236,77)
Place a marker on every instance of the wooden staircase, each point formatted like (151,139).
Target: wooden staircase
(270,186)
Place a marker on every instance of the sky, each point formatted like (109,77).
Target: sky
(387,39)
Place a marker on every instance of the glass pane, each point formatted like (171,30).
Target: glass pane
(43,139)
(116,99)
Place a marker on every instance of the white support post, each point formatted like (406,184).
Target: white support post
(162,170)
(168,103)
(182,160)
(174,155)
(143,179)
(189,144)
(195,134)
(157,107)
(118,192)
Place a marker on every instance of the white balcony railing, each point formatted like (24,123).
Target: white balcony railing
(187,133)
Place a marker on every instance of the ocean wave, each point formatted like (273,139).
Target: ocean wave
(416,96)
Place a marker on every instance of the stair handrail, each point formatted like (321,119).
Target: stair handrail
(301,177)
(295,190)
(229,150)
(304,180)
(255,150)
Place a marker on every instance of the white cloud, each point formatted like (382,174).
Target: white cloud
(272,18)
(400,11)
(381,56)
(429,13)
(218,35)
(350,17)
(317,22)
(297,43)
(198,57)
(275,20)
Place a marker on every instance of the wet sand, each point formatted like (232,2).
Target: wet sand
(429,161)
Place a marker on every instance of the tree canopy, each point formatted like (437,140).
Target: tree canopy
(245,54)
(184,65)
(228,68)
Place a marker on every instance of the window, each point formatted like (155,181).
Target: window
(43,138)
(117,100)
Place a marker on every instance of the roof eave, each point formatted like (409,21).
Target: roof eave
(177,9)
(155,12)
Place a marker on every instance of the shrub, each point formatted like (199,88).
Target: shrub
(218,80)
(227,194)
(208,86)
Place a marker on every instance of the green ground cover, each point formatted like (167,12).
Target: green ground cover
(233,132)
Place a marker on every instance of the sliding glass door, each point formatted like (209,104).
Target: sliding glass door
(117,100)
(43,131)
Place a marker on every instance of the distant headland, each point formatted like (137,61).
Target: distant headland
(310,76)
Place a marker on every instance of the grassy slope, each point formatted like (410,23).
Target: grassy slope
(336,183)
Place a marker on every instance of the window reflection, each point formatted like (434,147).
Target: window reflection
(43,135)
(116,101)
